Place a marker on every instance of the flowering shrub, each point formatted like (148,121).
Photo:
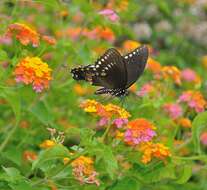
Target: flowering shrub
(57,135)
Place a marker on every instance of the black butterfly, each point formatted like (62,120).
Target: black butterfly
(113,72)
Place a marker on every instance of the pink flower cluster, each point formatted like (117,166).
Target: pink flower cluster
(139,130)
(109,14)
(173,110)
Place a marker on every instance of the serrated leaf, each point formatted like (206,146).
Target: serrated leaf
(199,123)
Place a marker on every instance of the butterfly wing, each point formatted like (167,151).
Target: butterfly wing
(135,64)
(109,71)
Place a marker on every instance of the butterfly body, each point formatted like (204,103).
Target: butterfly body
(113,72)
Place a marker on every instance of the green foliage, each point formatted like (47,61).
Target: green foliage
(49,142)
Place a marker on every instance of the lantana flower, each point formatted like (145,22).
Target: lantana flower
(49,39)
(184,122)
(194,100)
(154,67)
(23,33)
(190,75)
(32,70)
(47,144)
(130,45)
(83,170)
(174,110)
(119,122)
(110,14)
(29,155)
(145,90)
(173,73)
(107,111)
(151,150)
(138,131)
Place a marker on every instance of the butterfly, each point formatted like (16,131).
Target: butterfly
(113,72)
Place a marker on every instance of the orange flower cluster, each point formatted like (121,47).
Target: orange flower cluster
(130,45)
(29,155)
(23,33)
(156,150)
(154,66)
(32,70)
(81,90)
(83,170)
(106,111)
(172,72)
(184,122)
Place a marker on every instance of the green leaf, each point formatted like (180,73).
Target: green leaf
(104,158)
(127,183)
(56,152)
(12,97)
(159,173)
(22,185)
(3,55)
(199,123)
(13,154)
(42,113)
(13,175)
(186,173)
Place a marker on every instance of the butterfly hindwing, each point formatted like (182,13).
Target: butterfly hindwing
(135,64)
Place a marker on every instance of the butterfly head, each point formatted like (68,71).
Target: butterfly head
(77,73)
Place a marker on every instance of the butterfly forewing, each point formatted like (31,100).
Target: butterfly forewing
(135,64)
(108,71)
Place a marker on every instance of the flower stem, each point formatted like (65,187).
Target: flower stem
(104,136)
(197,157)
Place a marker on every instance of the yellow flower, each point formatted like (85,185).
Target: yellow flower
(66,160)
(47,144)
(116,110)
